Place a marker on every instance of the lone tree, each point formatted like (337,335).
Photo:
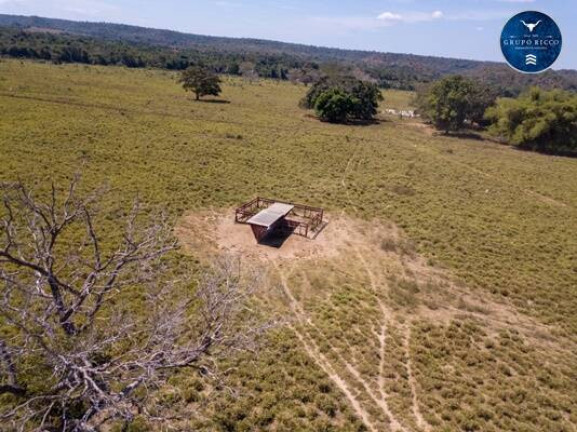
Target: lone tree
(537,120)
(88,328)
(200,80)
(340,99)
(454,101)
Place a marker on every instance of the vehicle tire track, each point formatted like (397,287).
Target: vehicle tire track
(386,313)
(395,424)
(421,422)
(344,179)
(320,358)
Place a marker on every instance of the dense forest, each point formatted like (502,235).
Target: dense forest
(64,41)
(66,48)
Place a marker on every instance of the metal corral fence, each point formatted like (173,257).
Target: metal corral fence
(302,220)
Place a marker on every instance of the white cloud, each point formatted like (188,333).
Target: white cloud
(385,19)
(517,1)
(410,17)
(389,19)
(390,16)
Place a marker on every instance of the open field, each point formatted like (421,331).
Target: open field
(399,100)
(449,304)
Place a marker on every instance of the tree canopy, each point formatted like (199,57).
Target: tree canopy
(454,101)
(334,105)
(539,120)
(201,81)
(343,98)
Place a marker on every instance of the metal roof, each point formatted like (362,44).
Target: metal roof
(268,216)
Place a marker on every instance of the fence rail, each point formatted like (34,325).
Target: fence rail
(313,215)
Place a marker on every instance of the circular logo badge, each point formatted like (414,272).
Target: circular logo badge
(531,42)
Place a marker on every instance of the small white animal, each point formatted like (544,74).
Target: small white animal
(530,26)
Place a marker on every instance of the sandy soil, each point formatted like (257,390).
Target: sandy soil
(218,233)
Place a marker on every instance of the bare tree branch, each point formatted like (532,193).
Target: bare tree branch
(100,321)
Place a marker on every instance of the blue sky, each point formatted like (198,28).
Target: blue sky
(450,28)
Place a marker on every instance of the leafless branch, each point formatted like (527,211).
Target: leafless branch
(100,320)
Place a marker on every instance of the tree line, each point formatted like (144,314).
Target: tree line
(63,41)
(63,48)
(537,119)
(403,71)
(451,103)
(67,48)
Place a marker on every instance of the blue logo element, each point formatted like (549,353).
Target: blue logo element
(531,42)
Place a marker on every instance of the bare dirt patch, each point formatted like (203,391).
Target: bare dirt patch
(375,248)
(353,297)
(216,232)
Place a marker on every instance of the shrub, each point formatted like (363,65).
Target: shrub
(538,120)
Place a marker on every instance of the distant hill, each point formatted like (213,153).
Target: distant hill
(104,43)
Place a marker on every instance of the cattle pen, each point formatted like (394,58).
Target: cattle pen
(268,217)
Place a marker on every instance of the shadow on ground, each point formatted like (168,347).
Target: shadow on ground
(276,239)
(214,101)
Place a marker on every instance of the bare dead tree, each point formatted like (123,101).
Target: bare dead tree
(87,328)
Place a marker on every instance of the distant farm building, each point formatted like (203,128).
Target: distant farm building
(268,218)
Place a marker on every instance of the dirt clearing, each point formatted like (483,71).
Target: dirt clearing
(361,301)
(375,254)
(212,232)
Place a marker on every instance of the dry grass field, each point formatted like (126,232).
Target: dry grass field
(440,297)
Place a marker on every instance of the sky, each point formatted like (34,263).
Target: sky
(450,28)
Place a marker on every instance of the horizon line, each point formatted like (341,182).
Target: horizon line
(250,38)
